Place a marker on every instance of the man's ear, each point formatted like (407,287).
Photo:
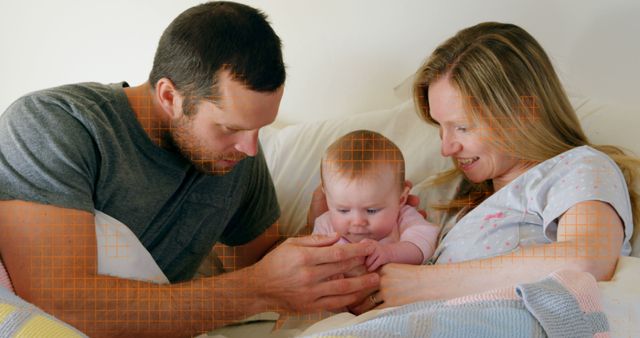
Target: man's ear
(169,98)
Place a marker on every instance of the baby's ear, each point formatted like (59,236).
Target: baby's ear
(405,194)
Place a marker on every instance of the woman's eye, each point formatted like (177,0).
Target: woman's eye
(461,129)
(372,211)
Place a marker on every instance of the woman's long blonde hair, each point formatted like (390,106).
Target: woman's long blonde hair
(506,79)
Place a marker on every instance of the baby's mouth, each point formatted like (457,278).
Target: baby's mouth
(355,237)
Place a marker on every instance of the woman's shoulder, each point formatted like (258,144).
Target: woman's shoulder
(582,173)
(581,170)
(583,153)
(579,159)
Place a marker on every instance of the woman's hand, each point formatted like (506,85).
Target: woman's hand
(318,205)
(403,284)
(367,303)
(400,284)
(414,200)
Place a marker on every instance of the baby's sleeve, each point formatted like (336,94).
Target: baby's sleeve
(322,225)
(415,229)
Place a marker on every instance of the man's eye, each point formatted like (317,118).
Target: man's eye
(372,211)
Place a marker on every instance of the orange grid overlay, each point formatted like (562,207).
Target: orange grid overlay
(363,153)
(498,129)
(60,251)
(174,135)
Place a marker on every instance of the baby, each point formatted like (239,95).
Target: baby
(363,178)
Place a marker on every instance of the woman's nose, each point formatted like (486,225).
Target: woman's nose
(449,146)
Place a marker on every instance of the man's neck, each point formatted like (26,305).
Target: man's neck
(148,112)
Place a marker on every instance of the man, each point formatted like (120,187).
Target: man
(176,163)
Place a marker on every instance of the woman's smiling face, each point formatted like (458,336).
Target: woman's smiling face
(467,141)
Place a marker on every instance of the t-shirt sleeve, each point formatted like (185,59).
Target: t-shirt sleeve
(415,229)
(259,209)
(46,155)
(590,177)
(322,225)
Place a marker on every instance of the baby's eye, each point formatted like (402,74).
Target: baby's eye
(462,129)
(343,211)
(372,211)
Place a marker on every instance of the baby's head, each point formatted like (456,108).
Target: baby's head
(363,178)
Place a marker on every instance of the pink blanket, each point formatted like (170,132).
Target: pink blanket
(5,281)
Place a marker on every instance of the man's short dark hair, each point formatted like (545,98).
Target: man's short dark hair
(217,36)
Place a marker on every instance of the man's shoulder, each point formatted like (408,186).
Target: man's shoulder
(66,106)
(67,97)
(70,95)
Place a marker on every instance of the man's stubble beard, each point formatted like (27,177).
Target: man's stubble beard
(182,140)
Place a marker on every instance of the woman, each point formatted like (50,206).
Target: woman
(537,195)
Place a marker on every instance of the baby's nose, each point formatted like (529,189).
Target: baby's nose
(359,220)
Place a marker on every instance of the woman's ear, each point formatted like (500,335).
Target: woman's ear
(168,98)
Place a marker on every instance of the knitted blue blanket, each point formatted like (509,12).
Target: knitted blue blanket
(565,304)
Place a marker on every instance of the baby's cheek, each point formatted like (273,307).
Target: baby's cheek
(339,225)
(385,224)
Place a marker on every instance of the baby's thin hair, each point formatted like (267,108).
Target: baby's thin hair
(363,153)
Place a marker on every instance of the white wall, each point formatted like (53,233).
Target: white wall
(343,56)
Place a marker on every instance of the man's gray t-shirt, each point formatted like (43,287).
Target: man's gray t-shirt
(81,147)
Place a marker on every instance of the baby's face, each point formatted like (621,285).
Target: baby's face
(366,207)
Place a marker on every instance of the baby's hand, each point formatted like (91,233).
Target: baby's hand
(355,272)
(380,256)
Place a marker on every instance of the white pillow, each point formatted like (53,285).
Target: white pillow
(621,298)
(293,154)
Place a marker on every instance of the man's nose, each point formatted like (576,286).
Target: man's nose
(248,142)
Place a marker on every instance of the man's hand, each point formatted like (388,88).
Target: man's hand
(296,276)
(414,200)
